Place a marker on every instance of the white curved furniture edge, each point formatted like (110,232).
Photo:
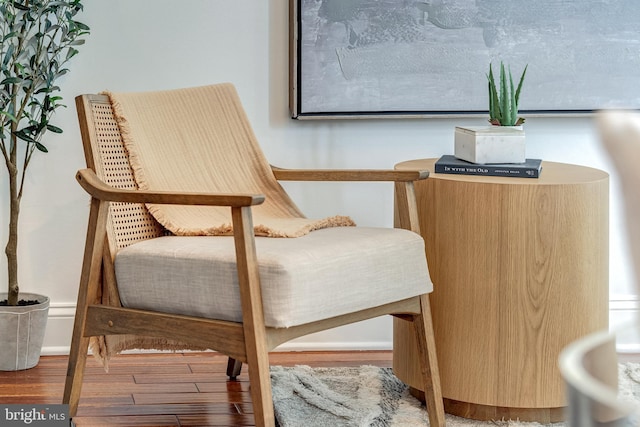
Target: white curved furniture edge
(592,401)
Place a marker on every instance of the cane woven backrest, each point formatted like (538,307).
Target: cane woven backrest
(127,223)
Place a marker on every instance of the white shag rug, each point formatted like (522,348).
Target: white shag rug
(369,396)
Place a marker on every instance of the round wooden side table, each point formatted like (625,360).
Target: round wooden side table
(520,270)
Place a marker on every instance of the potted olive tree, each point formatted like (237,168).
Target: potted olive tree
(37,39)
(504,140)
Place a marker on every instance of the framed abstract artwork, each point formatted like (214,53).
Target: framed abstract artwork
(423,58)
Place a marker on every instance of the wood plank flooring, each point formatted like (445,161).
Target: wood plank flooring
(161,389)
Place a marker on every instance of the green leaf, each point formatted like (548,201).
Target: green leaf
(494,107)
(20,6)
(11,80)
(8,55)
(504,95)
(81,26)
(9,36)
(54,129)
(9,116)
(41,147)
(520,85)
(21,134)
(513,109)
(52,28)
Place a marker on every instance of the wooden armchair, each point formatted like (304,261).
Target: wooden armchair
(238,294)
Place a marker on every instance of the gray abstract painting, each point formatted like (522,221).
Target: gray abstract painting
(432,56)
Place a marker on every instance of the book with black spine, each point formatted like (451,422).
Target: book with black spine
(449,164)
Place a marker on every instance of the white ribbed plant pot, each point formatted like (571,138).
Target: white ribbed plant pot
(22,330)
(490,144)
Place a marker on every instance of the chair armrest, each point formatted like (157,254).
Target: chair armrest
(406,212)
(349,175)
(101,191)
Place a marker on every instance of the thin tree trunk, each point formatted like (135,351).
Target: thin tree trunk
(11,249)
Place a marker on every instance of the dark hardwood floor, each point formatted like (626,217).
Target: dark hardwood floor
(181,389)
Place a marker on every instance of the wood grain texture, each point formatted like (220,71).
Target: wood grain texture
(162,388)
(430,375)
(255,339)
(370,175)
(89,288)
(90,182)
(520,269)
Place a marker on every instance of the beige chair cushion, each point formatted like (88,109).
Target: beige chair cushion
(323,274)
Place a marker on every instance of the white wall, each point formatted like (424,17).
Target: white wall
(138,45)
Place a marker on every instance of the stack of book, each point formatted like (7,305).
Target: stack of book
(531,168)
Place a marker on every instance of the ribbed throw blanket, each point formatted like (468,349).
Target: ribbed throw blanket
(200,140)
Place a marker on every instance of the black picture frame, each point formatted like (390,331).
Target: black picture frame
(429,58)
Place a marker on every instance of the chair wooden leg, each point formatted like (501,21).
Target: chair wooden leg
(260,387)
(428,364)
(75,374)
(90,281)
(233,368)
(255,338)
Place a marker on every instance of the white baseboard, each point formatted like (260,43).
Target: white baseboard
(357,337)
(623,311)
(57,339)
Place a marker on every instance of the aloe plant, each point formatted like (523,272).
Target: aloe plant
(503,103)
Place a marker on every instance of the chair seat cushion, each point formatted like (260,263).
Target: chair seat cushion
(323,274)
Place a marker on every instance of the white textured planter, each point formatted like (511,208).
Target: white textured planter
(490,144)
(22,331)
